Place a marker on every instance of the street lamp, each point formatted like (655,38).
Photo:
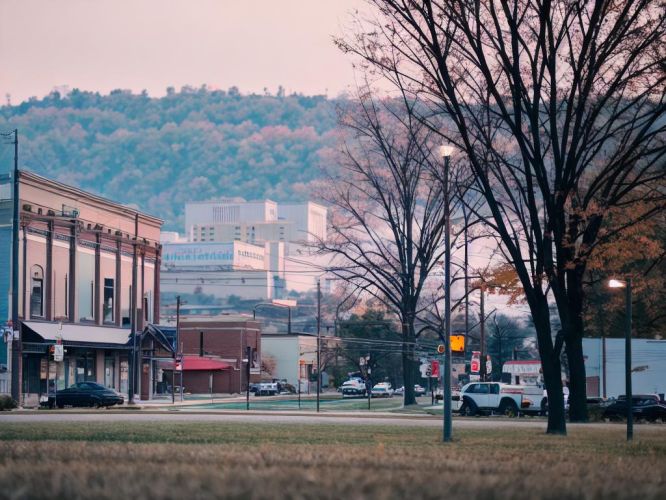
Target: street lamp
(626,284)
(446,151)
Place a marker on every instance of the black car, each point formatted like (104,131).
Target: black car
(85,394)
(647,407)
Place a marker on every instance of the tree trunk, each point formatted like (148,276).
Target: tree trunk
(577,378)
(550,364)
(574,348)
(408,364)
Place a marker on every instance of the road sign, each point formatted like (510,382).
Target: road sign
(441,349)
(489,365)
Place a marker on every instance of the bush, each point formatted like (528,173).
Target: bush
(7,403)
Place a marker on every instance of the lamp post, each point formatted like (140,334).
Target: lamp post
(626,284)
(446,151)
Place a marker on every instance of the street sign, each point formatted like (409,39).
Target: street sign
(489,365)
(58,352)
(434,370)
(441,349)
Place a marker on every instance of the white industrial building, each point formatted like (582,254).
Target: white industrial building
(605,366)
(251,249)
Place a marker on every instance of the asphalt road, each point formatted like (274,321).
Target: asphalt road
(311,419)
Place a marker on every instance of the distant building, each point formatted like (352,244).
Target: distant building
(215,353)
(292,358)
(77,252)
(249,249)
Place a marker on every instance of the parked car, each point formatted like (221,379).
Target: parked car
(267,389)
(418,390)
(496,397)
(645,406)
(353,387)
(382,390)
(84,394)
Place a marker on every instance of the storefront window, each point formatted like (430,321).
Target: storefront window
(85,284)
(36,292)
(85,367)
(109,296)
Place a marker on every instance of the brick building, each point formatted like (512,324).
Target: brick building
(88,268)
(215,350)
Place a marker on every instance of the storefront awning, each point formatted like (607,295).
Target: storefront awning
(197,363)
(83,335)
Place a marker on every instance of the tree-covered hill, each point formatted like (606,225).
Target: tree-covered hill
(158,153)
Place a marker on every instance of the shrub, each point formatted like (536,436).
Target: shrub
(7,403)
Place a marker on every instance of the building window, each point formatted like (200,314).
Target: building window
(37,292)
(109,295)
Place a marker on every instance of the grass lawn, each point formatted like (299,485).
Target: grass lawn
(211,460)
(291,404)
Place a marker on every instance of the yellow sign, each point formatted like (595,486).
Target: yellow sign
(457,343)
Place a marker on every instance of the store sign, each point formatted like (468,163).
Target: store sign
(475,365)
(198,254)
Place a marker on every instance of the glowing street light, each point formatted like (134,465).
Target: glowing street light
(626,284)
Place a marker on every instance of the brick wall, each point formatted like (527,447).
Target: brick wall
(226,340)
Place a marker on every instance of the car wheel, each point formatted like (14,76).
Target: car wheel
(508,408)
(544,407)
(468,408)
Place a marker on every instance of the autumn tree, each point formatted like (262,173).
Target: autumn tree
(558,109)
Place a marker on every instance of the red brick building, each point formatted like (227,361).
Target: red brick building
(215,350)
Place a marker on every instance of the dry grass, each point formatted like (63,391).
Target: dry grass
(208,460)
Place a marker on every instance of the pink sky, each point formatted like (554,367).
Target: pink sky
(152,44)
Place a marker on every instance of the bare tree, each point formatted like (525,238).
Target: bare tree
(559,109)
(387,213)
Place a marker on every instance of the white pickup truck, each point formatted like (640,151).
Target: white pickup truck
(503,399)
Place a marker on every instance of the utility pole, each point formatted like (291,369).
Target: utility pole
(318,342)
(448,418)
(465,215)
(175,354)
(17,347)
(482,367)
(133,317)
(248,355)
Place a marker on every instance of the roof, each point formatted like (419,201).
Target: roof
(27,175)
(198,363)
(80,334)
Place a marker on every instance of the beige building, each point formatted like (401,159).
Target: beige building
(77,257)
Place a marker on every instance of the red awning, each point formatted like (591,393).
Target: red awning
(191,363)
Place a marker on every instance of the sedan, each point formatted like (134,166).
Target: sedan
(85,394)
(382,391)
(648,407)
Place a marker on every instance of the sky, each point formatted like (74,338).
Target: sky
(101,45)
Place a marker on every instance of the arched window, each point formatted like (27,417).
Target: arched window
(36,292)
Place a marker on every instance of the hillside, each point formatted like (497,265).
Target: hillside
(158,153)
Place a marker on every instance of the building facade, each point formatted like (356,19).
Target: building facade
(88,272)
(291,357)
(215,353)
